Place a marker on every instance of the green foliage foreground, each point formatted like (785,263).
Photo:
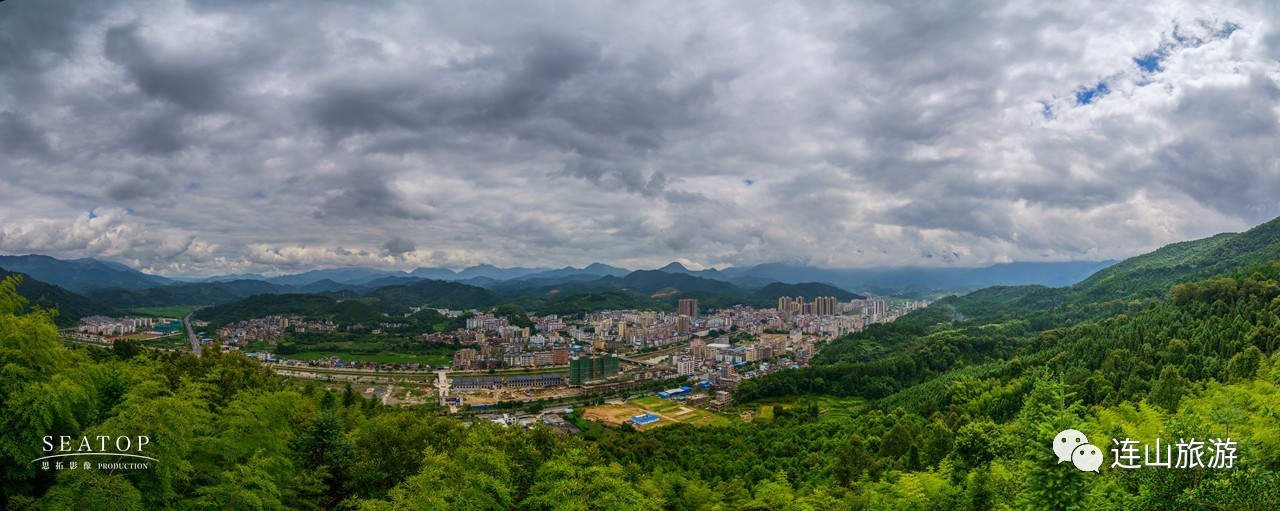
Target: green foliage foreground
(968,426)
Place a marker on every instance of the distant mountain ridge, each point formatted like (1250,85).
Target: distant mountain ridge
(118,285)
(80,275)
(1047,274)
(1054,274)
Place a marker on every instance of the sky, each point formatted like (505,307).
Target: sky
(201,138)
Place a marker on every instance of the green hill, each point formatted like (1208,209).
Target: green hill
(1121,287)
(1149,275)
(771,292)
(201,293)
(70,306)
(430,293)
(264,305)
(657,281)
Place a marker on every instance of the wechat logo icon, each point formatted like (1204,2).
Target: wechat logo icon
(1071,445)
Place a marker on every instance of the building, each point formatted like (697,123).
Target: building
(648,319)
(589,369)
(684,364)
(684,324)
(820,306)
(560,356)
(698,349)
(464,357)
(102,325)
(534,381)
(688,307)
(826,306)
(697,400)
(641,420)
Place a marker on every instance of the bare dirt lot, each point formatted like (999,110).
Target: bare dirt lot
(616,414)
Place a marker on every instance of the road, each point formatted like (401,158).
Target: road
(191,332)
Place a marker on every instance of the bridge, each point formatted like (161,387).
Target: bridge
(639,362)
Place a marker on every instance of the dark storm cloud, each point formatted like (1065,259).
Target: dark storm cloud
(194,85)
(615,175)
(222,137)
(482,93)
(39,36)
(158,134)
(958,214)
(552,59)
(365,195)
(398,246)
(127,186)
(19,137)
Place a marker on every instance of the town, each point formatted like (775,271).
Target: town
(703,353)
(696,356)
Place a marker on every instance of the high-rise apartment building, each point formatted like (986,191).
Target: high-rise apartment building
(688,307)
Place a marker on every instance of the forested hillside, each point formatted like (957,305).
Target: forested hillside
(981,401)
(1123,287)
(70,306)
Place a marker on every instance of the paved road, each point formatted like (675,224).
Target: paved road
(191,332)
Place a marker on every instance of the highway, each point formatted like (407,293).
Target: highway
(191,332)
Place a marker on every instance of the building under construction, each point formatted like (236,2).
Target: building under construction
(588,369)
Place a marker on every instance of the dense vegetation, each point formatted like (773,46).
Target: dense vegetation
(1123,287)
(1201,363)
(70,306)
(183,293)
(265,305)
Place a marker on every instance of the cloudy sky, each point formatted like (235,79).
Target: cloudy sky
(202,137)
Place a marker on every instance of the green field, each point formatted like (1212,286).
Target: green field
(174,311)
(171,341)
(434,360)
(829,406)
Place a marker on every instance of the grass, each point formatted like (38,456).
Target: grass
(828,405)
(172,311)
(166,342)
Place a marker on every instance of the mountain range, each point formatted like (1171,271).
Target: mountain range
(87,275)
(81,275)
